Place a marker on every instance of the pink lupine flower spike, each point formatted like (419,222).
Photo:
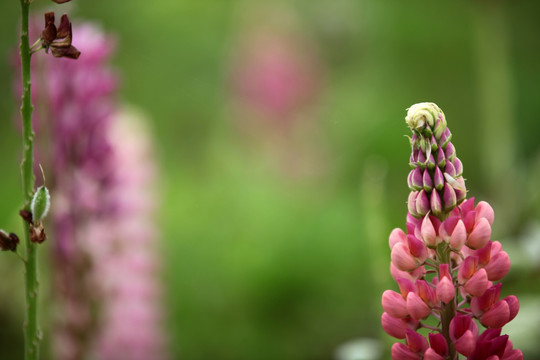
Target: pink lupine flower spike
(445,264)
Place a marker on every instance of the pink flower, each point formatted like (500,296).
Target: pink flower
(446,260)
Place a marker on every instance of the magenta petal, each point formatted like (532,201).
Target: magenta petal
(402,352)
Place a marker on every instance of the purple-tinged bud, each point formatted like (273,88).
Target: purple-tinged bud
(431,162)
(427,182)
(438,179)
(450,152)
(460,189)
(441,159)
(458,165)
(428,233)
(417,180)
(409,180)
(422,203)
(421,160)
(445,138)
(416,307)
(411,203)
(449,198)
(439,129)
(435,203)
(434,145)
(449,169)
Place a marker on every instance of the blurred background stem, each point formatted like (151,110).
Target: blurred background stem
(31,331)
(491,44)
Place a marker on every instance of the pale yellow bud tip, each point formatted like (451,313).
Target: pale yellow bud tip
(424,114)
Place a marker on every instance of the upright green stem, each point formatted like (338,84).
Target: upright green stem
(31,329)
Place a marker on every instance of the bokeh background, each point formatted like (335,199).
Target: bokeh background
(279,134)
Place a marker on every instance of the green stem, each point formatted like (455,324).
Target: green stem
(31,329)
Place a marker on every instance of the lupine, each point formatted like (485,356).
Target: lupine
(445,265)
(104,257)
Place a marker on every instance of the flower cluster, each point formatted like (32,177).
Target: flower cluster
(445,265)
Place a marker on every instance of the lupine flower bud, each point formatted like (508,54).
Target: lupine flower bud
(411,203)
(445,287)
(431,162)
(436,203)
(449,198)
(478,283)
(498,266)
(484,210)
(422,203)
(497,316)
(427,182)
(397,327)
(417,181)
(396,236)
(428,232)
(458,166)
(438,179)
(394,304)
(480,235)
(459,236)
(416,342)
(402,352)
(438,344)
(426,293)
(402,258)
(41,202)
(416,307)
(441,159)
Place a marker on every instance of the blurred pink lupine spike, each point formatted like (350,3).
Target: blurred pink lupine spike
(446,259)
(104,243)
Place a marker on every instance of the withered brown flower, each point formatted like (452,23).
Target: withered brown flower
(8,242)
(58,40)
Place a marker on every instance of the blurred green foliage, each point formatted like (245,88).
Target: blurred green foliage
(261,266)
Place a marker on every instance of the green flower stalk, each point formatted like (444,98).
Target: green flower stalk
(38,201)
